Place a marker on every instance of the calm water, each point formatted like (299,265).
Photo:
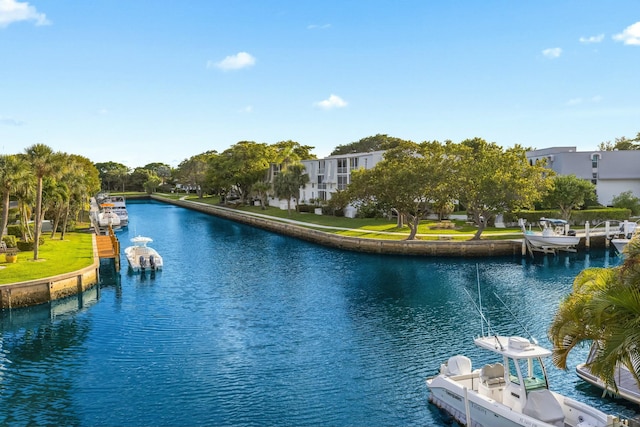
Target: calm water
(248,328)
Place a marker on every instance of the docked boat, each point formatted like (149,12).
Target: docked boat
(513,391)
(554,236)
(142,257)
(627,387)
(627,231)
(107,217)
(118,206)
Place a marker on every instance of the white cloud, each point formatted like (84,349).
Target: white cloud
(12,11)
(233,62)
(318,27)
(592,39)
(552,53)
(578,101)
(630,35)
(334,101)
(8,121)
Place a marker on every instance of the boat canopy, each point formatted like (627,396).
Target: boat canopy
(514,347)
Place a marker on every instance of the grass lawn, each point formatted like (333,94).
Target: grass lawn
(375,228)
(54,257)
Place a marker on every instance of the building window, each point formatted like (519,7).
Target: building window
(594,160)
(342,165)
(353,163)
(594,175)
(321,166)
(594,181)
(343,181)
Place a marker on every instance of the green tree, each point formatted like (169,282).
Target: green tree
(192,172)
(491,181)
(287,184)
(569,192)
(43,162)
(12,170)
(626,200)
(371,143)
(603,309)
(410,179)
(240,166)
(112,174)
(261,190)
(622,143)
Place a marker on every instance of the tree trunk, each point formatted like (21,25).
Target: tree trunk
(36,227)
(55,224)
(5,213)
(413,223)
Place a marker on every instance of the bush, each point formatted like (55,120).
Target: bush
(10,241)
(14,230)
(306,208)
(28,246)
(578,217)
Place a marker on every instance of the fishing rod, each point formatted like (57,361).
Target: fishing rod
(535,341)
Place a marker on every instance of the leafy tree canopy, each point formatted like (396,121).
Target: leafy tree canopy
(622,143)
(371,143)
(569,192)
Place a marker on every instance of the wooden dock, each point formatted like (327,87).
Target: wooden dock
(109,247)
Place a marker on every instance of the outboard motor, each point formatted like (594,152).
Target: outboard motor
(152,262)
(143,262)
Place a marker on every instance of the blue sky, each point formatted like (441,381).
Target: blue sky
(159,81)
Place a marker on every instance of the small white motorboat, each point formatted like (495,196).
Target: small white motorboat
(142,257)
(514,391)
(627,231)
(107,217)
(554,236)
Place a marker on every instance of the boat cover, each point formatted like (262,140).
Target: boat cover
(543,406)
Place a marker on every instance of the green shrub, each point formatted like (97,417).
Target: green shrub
(306,208)
(10,241)
(578,217)
(28,246)
(14,230)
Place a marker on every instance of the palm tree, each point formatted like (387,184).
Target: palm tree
(41,157)
(287,184)
(604,308)
(12,170)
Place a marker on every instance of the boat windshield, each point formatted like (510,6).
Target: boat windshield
(532,372)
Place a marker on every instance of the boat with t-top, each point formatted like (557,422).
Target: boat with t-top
(512,391)
(142,257)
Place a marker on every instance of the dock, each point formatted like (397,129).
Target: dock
(108,247)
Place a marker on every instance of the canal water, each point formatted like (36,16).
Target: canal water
(249,328)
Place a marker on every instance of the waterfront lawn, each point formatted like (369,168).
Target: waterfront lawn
(54,257)
(376,228)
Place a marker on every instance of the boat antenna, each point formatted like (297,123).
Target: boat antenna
(533,339)
(482,316)
(480,298)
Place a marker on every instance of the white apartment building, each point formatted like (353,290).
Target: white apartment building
(333,173)
(612,172)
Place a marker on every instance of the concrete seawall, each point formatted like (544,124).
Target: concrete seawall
(468,248)
(33,292)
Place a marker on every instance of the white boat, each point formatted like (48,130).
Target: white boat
(627,387)
(142,257)
(119,206)
(107,217)
(514,391)
(627,231)
(554,236)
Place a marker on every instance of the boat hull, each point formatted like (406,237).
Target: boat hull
(539,241)
(628,389)
(619,244)
(455,396)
